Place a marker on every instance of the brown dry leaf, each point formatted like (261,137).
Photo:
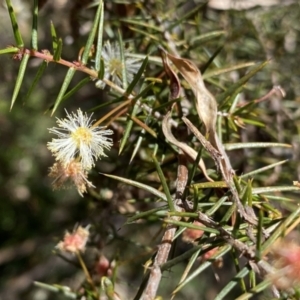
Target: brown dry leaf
(207,109)
(174,80)
(166,127)
(206,103)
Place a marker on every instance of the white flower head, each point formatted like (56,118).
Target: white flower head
(111,55)
(78,139)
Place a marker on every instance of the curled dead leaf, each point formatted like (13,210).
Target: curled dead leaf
(166,127)
(174,80)
(206,103)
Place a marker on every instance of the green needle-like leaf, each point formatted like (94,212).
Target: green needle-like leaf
(186,16)
(129,124)
(54,37)
(89,44)
(122,56)
(9,50)
(208,185)
(36,79)
(101,72)
(78,86)
(226,95)
(203,38)
(211,59)
(146,214)
(137,77)
(264,169)
(142,24)
(224,292)
(64,88)
(108,103)
(75,89)
(189,266)
(143,92)
(58,50)
(272,189)
(203,267)
(137,146)
(280,229)
(227,69)
(218,204)
(20,77)
(192,226)
(14,24)
(256,290)
(139,185)
(164,184)
(98,65)
(34,30)
(62,290)
(181,258)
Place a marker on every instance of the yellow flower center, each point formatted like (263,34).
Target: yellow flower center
(116,67)
(82,135)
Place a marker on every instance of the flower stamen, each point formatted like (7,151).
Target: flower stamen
(81,135)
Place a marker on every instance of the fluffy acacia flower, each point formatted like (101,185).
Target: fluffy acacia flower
(77,138)
(190,235)
(74,242)
(286,260)
(70,173)
(114,67)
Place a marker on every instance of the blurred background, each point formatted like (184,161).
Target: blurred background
(33,217)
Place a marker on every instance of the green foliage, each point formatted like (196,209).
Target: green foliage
(165,197)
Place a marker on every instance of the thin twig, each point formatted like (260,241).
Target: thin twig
(216,150)
(167,239)
(86,272)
